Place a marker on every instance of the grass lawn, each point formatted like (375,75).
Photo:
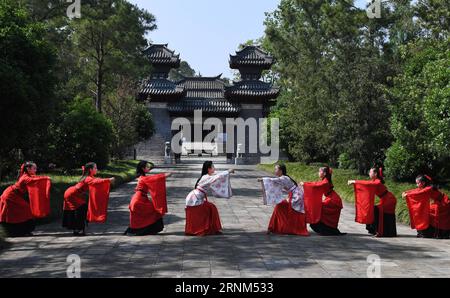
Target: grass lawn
(123,171)
(301,172)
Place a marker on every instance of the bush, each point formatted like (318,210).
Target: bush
(83,135)
(345,162)
(402,164)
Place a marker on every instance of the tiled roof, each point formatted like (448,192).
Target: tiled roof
(159,54)
(251,56)
(161,88)
(203,87)
(207,106)
(251,89)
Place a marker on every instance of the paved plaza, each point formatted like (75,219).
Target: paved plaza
(244,250)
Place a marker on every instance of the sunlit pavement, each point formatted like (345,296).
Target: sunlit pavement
(244,250)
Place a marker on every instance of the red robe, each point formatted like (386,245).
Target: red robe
(440,212)
(74,196)
(313,194)
(285,220)
(144,212)
(365,191)
(98,199)
(13,206)
(202,220)
(418,201)
(331,210)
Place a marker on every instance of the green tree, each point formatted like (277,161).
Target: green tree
(185,70)
(109,40)
(333,64)
(420,97)
(144,125)
(421,112)
(131,120)
(27,83)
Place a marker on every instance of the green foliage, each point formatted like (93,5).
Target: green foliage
(131,120)
(143,122)
(421,112)
(83,135)
(340,104)
(345,162)
(48,60)
(401,163)
(108,41)
(26,83)
(185,70)
(331,70)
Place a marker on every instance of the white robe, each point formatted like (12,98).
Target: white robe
(219,185)
(275,189)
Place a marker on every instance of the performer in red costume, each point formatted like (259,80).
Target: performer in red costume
(430,220)
(146,216)
(379,219)
(76,212)
(202,217)
(288,216)
(17,210)
(322,204)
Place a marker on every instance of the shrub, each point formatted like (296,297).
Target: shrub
(83,135)
(345,162)
(402,164)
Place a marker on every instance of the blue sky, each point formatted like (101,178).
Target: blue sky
(205,32)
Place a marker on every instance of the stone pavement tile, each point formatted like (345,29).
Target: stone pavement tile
(343,274)
(170,274)
(245,273)
(223,273)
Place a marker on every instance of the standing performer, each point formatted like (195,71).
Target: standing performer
(288,217)
(430,220)
(202,217)
(379,219)
(323,205)
(76,212)
(146,217)
(17,212)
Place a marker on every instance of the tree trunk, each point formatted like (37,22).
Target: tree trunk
(98,99)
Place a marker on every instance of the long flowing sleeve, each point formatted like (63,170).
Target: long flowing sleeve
(98,199)
(313,194)
(418,201)
(219,185)
(365,201)
(39,196)
(273,190)
(157,187)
